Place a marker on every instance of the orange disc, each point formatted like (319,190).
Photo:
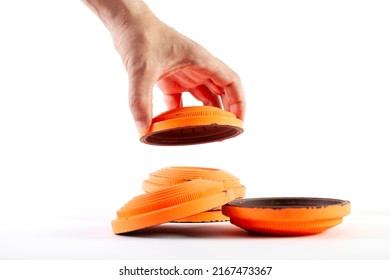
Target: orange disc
(169,205)
(170,176)
(286,215)
(189,173)
(210,216)
(169,197)
(239,191)
(192,125)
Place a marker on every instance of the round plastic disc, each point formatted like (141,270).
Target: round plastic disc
(286,215)
(192,125)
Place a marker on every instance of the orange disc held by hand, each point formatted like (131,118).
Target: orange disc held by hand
(192,125)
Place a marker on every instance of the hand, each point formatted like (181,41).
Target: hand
(154,53)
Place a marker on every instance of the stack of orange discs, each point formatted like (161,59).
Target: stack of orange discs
(192,125)
(179,201)
(168,177)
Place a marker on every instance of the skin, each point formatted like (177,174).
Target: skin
(154,53)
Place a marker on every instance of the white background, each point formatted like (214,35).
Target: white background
(316,77)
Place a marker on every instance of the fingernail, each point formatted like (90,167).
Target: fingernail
(142,127)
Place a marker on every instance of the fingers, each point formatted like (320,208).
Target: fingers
(201,89)
(173,101)
(140,101)
(208,80)
(233,97)
(213,87)
(206,96)
(212,83)
(172,90)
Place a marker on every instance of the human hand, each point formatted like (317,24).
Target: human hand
(154,53)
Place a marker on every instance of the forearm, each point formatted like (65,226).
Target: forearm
(115,13)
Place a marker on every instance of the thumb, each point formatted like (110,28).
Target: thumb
(140,102)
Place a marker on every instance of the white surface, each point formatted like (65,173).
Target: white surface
(316,78)
(359,237)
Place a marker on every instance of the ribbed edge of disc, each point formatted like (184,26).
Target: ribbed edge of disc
(210,216)
(192,111)
(286,228)
(171,176)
